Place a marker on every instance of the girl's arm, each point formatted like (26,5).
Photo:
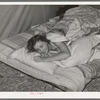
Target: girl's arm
(62,55)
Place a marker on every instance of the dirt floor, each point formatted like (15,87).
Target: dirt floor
(14,80)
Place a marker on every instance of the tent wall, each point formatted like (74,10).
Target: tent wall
(18,18)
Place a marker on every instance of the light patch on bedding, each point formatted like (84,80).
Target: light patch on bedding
(2,47)
(7,51)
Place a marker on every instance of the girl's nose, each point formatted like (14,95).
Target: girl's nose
(40,50)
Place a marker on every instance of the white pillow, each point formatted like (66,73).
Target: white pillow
(22,55)
(82,50)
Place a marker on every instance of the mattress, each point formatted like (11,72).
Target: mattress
(61,77)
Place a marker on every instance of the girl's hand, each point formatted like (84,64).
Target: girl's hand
(38,59)
(43,55)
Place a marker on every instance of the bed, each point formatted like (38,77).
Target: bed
(73,79)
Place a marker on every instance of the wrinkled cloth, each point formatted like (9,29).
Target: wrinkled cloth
(76,22)
(81,50)
(79,21)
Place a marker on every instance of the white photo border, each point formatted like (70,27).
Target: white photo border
(49,95)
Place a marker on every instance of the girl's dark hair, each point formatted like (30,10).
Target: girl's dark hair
(32,41)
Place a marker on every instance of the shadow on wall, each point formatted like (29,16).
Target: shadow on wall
(95,6)
(63,8)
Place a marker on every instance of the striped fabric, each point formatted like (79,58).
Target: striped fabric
(17,40)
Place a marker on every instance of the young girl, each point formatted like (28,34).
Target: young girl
(44,46)
(79,52)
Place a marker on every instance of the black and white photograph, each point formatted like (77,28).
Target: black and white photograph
(49,48)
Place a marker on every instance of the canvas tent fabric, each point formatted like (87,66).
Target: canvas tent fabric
(18,18)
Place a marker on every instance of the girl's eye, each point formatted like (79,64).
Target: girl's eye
(38,50)
(41,46)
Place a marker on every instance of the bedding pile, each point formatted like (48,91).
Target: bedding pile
(76,22)
(81,26)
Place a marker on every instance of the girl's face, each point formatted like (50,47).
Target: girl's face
(41,47)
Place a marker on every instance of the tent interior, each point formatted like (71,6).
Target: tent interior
(15,19)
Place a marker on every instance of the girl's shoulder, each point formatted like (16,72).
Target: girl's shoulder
(53,47)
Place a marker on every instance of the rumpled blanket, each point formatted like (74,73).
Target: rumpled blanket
(76,22)
(79,21)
